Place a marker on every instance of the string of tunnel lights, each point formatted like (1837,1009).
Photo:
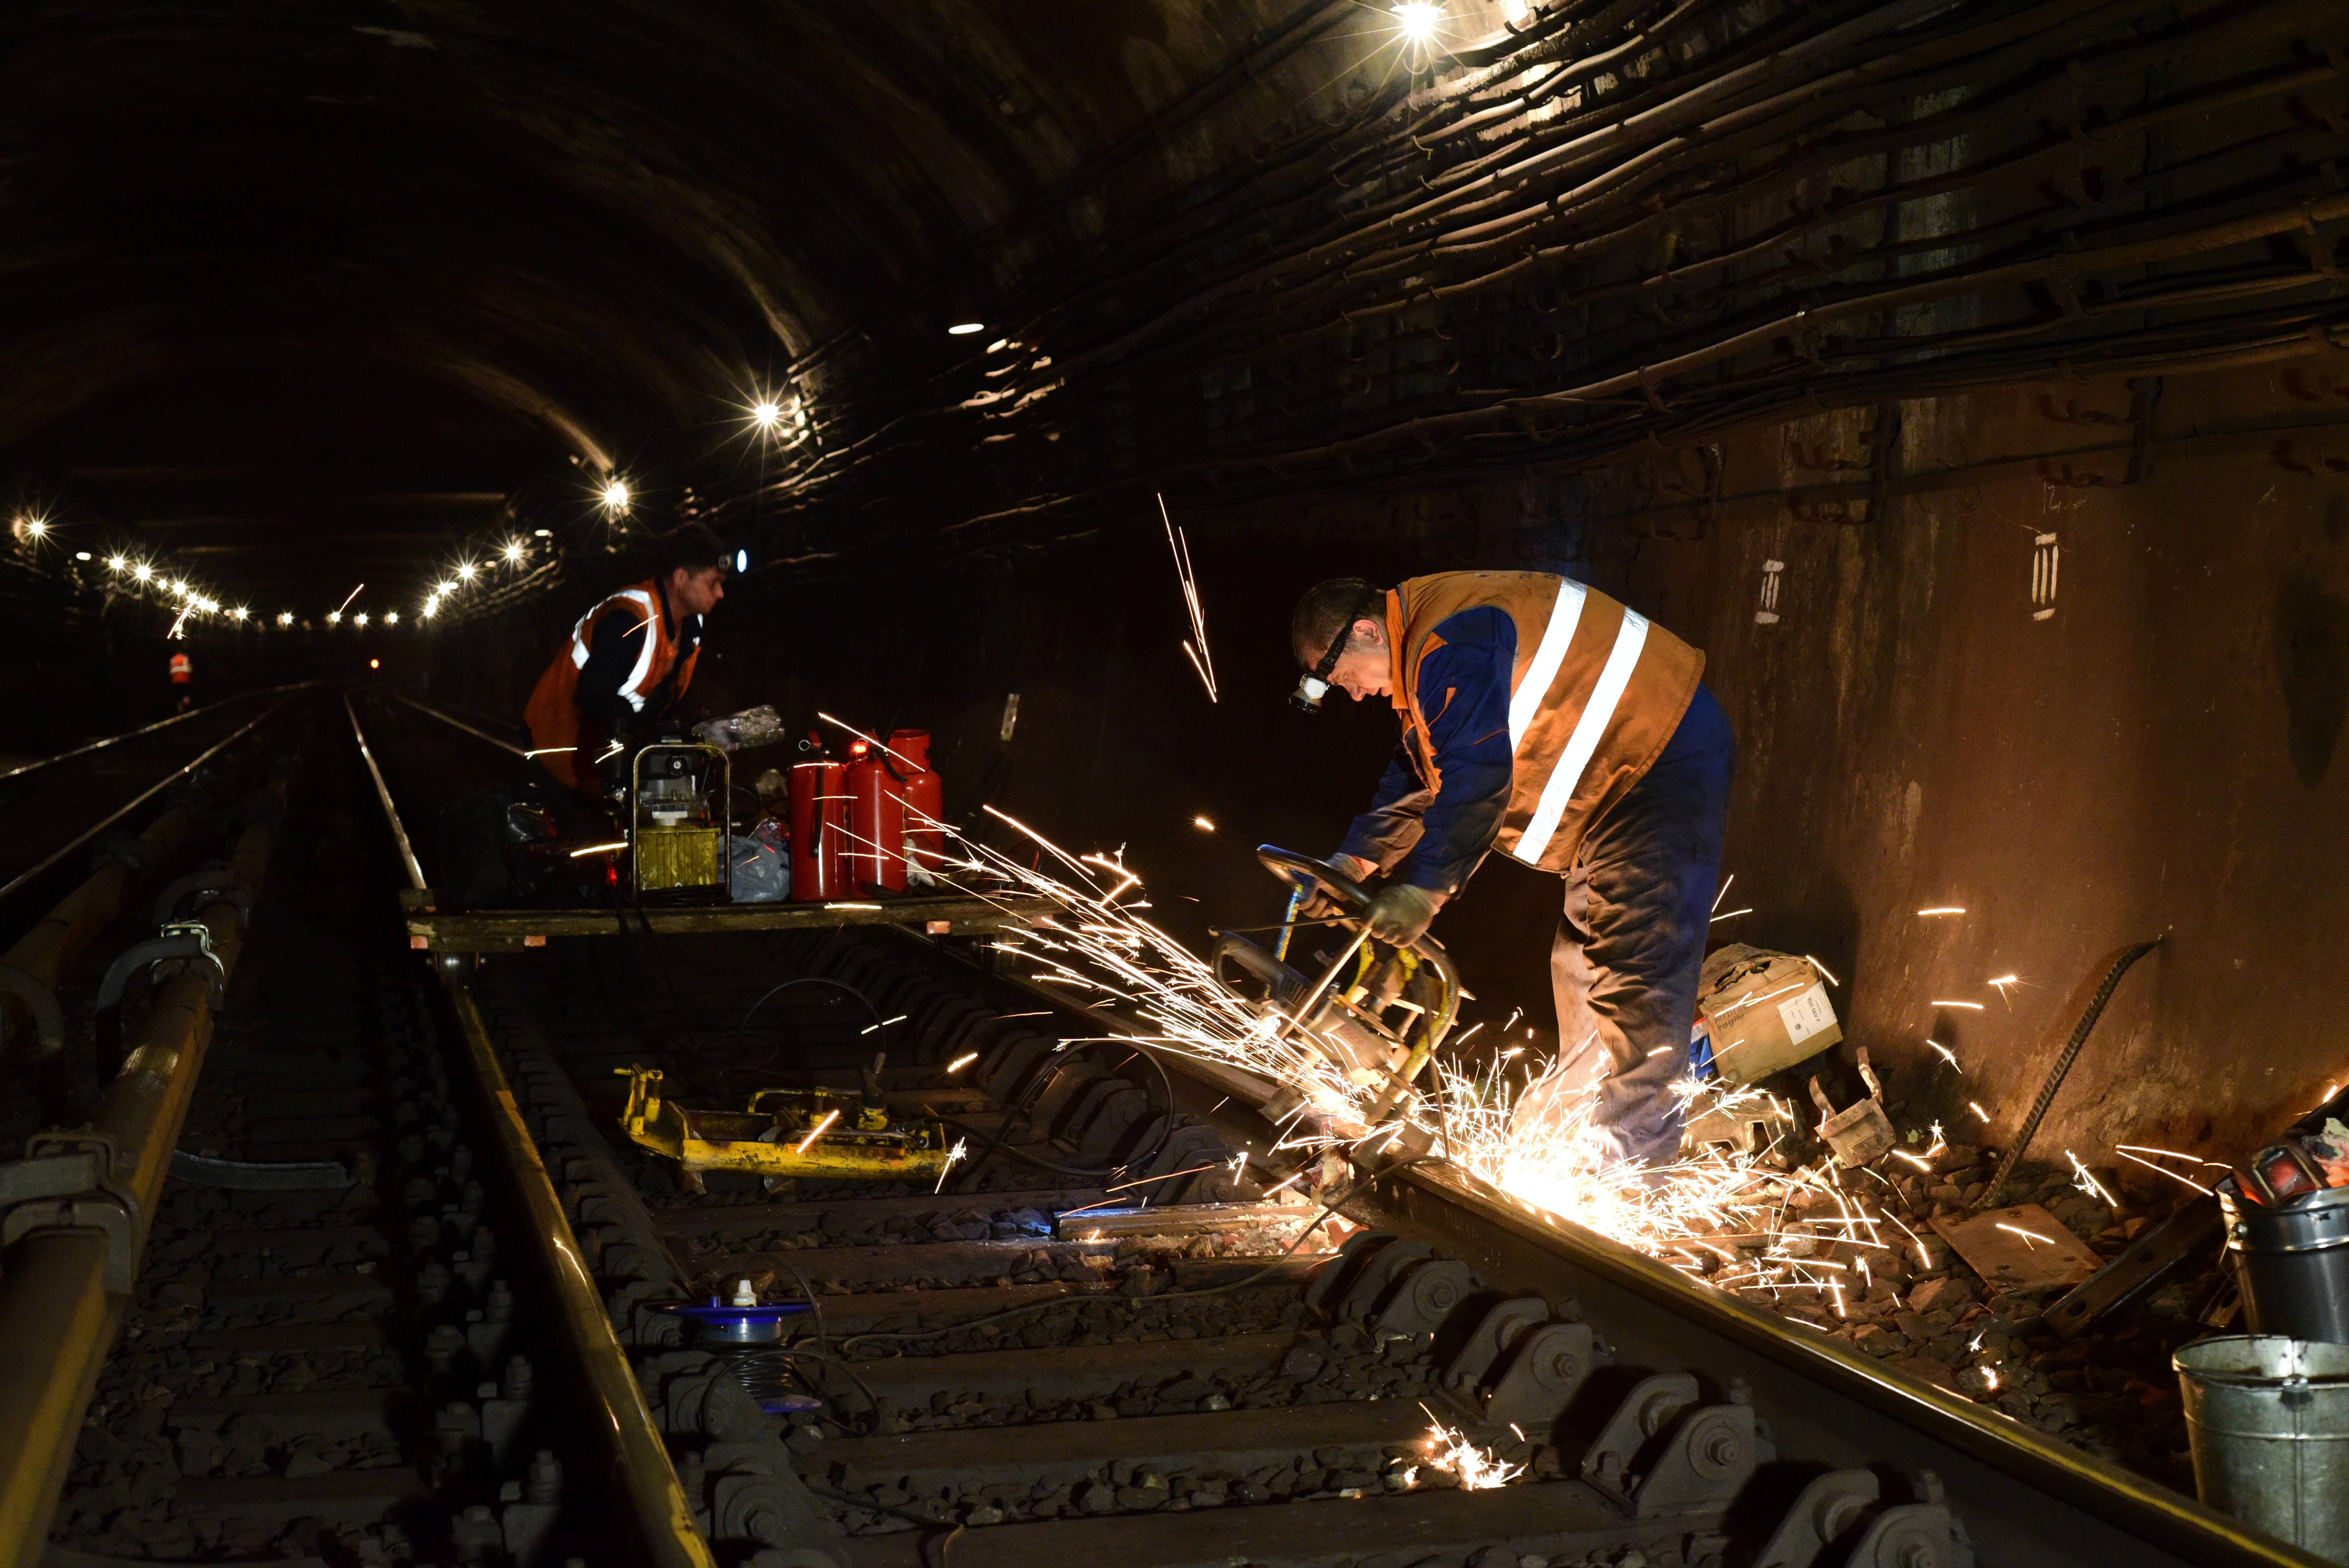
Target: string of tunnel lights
(1417,24)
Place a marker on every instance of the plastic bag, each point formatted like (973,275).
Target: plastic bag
(763,873)
(760,726)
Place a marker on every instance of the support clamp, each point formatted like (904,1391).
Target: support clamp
(214,883)
(67,1183)
(122,848)
(40,1002)
(190,940)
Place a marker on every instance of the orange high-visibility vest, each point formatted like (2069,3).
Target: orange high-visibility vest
(554,714)
(183,670)
(1595,692)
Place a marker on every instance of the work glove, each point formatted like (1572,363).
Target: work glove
(1320,902)
(1399,914)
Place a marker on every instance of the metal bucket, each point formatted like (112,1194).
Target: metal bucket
(2269,1420)
(2294,1258)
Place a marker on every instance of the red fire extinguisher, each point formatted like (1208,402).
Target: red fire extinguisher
(819,830)
(875,855)
(925,797)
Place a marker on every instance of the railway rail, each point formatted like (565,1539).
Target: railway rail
(1123,1328)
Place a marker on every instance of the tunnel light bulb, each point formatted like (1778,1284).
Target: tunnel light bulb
(209,606)
(36,526)
(1419,20)
(391,617)
(966,328)
(360,618)
(542,533)
(239,614)
(513,551)
(375,663)
(465,570)
(333,617)
(431,608)
(766,416)
(145,574)
(284,618)
(616,496)
(116,563)
(81,555)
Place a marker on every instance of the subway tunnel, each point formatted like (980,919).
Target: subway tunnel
(1960,380)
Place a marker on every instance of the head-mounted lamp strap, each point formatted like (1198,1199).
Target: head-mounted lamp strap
(1369,601)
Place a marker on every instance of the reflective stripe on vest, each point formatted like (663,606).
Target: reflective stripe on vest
(1526,700)
(1597,714)
(633,687)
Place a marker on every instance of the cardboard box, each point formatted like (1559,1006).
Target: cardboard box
(1763,1011)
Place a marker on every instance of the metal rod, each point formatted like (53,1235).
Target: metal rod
(383,793)
(460,723)
(57,1320)
(640,1459)
(209,707)
(143,798)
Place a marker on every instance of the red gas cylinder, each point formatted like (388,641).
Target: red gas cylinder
(925,799)
(819,830)
(875,855)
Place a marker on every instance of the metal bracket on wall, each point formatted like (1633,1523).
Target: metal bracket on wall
(66,1182)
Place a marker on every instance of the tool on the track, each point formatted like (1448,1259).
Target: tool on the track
(1377,1011)
(789,1132)
(677,814)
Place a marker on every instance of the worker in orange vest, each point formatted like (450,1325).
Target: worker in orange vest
(1545,720)
(624,666)
(183,682)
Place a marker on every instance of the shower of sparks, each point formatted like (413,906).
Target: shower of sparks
(961,1148)
(2087,1182)
(2030,1238)
(962,1061)
(1195,646)
(817,1132)
(1943,909)
(2165,1169)
(1970,1006)
(1947,1055)
(883,1023)
(1822,969)
(1975,1106)
(1724,889)
(1479,1469)
(1736,1220)
(598,849)
(1728,915)
(346,600)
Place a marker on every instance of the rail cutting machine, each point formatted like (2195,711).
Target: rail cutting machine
(842,1134)
(1378,1012)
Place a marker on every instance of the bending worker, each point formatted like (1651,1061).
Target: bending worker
(623,669)
(1544,719)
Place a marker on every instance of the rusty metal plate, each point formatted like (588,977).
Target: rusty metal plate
(2020,1248)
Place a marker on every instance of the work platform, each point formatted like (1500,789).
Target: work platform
(432,930)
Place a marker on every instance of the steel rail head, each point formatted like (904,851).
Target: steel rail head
(383,793)
(655,1497)
(21,878)
(452,720)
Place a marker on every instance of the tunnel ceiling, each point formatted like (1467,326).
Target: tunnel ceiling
(307,287)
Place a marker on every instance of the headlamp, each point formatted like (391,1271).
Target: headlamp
(1314,685)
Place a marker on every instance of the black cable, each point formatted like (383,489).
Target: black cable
(872,1402)
(1241,1283)
(815,1307)
(1068,1051)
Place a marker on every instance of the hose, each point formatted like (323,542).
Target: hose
(2057,1074)
(1001,1141)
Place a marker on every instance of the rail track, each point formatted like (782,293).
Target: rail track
(1125,1328)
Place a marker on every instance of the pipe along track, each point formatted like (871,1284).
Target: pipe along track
(1031,1363)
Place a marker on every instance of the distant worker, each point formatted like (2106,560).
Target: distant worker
(1542,718)
(183,682)
(623,669)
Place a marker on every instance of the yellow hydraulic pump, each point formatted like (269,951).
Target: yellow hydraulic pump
(812,1133)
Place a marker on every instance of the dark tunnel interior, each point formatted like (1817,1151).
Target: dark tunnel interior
(1812,332)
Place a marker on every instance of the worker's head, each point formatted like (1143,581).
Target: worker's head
(692,568)
(1346,613)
